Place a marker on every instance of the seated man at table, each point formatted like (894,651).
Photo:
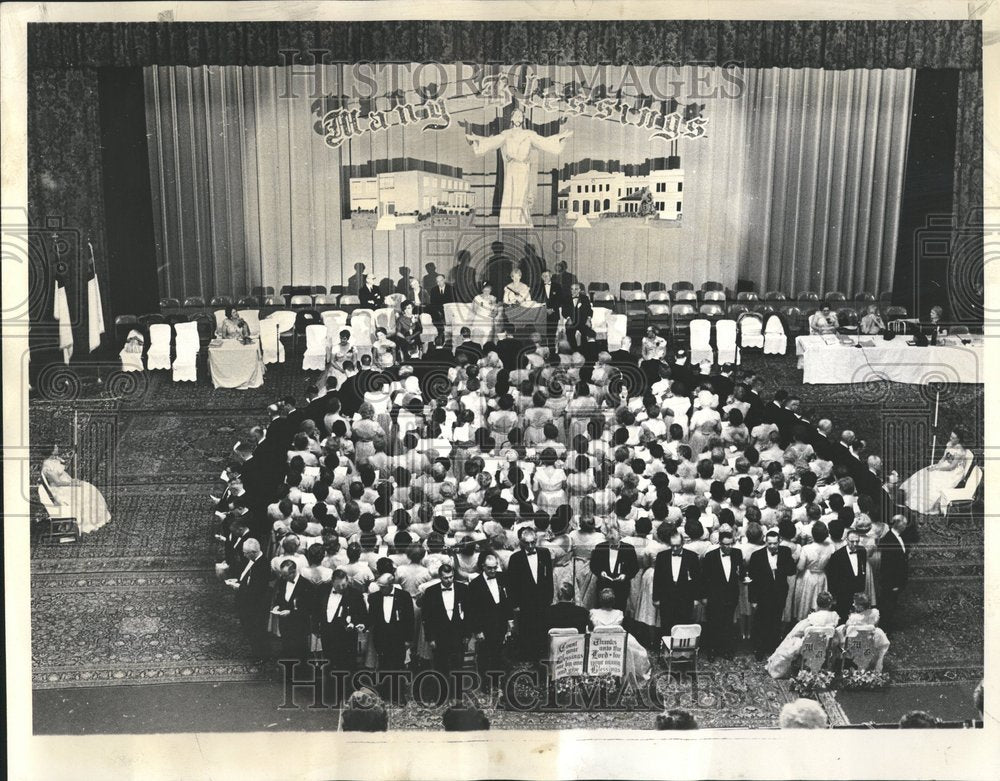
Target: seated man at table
(823,322)
(232,326)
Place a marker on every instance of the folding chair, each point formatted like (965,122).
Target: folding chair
(62,526)
(725,342)
(701,344)
(752,330)
(859,647)
(682,644)
(963,499)
(270,343)
(816,647)
(132,359)
(158,356)
(775,338)
(315,355)
(186,347)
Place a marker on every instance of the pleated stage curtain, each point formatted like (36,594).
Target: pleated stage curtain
(796,185)
(826,158)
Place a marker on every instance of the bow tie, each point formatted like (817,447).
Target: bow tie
(677,553)
(446,588)
(725,553)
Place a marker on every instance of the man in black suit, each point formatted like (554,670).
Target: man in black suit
(252,592)
(722,571)
(529,580)
(562,277)
(893,570)
(578,311)
(614,564)
(846,573)
(509,349)
(293,597)
(768,570)
(443,612)
(369,295)
(565,614)
(473,351)
(491,617)
(390,616)
(338,615)
(442,293)
(239,532)
(550,293)
(355,282)
(676,579)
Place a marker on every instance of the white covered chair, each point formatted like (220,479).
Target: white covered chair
(599,321)
(428,331)
(725,342)
(617,326)
(220,315)
(316,348)
(775,338)
(252,319)
(131,353)
(282,321)
(701,340)
(394,300)
(363,328)
(335,321)
(158,356)
(953,499)
(386,318)
(752,330)
(186,347)
(271,347)
(456,316)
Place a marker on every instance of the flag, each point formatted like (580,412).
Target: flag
(61,314)
(95,312)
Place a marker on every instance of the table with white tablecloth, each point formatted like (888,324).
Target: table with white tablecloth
(829,360)
(233,364)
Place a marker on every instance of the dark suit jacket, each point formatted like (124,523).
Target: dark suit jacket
(301,605)
(686,588)
(714,585)
(508,349)
(471,350)
(252,595)
(525,592)
(894,565)
(234,553)
(840,578)
(765,586)
(437,626)
(555,298)
(485,615)
(399,630)
(566,615)
(437,298)
(371,297)
(579,311)
(352,606)
(627,564)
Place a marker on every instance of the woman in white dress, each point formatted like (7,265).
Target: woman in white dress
(922,491)
(811,580)
(636,658)
(781,662)
(484,315)
(863,614)
(78,498)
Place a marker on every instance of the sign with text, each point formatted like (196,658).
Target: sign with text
(607,651)
(567,654)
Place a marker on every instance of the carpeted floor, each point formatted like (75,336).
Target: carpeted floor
(137,602)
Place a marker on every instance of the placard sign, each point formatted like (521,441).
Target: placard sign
(567,654)
(607,651)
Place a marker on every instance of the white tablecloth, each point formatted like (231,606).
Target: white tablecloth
(235,365)
(896,360)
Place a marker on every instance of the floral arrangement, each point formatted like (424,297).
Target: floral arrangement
(609,683)
(807,682)
(863,680)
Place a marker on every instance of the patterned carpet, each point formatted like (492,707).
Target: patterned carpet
(137,601)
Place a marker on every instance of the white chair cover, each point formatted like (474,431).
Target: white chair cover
(220,315)
(751,331)
(599,321)
(158,356)
(271,346)
(386,318)
(252,318)
(316,348)
(186,346)
(363,328)
(617,329)
(701,345)
(335,321)
(455,318)
(132,361)
(428,331)
(285,319)
(725,341)
(775,339)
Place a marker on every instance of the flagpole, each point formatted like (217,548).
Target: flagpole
(93,270)
(937,404)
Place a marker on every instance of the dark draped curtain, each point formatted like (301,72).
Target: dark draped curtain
(64,139)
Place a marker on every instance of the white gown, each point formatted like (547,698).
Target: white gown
(80,499)
(636,658)
(922,490)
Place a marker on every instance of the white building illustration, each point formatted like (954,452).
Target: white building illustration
(597,192)
(409,193)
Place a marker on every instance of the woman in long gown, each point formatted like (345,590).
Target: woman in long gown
(811,579)
(232,326)
(584,540)
(79,499)
(560,546)
(863,526)
(535,418)
(549,482)
(781,662)
(863,614)
(580,482)
(365,432)
(408,329)
(636,658)
(922,490)
(484,314)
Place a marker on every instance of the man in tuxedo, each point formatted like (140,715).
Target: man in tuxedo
(437,358)
(893,570)
(578,312)
(251,588)
(338,615)
(509,348)
(550,293)
(676,581)
(846,573)
(491,617)
(239,533)
(443,612)
(442,293)
(721,572)
(565,614)
(369,295)
(768,570)
(614,564)
(529,579)
(473,351)
(390,616)
(293,597)
(562,277)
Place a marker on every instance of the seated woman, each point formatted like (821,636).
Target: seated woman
(863,614)
(78,498)
(516,292)
(922,490)
(872,322)
(408,330)
(781,662)
(636,658)
(232,326)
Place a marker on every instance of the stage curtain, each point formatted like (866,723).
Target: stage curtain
(825,164)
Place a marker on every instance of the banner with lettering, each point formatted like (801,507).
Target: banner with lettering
(606,655)
(567,653)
